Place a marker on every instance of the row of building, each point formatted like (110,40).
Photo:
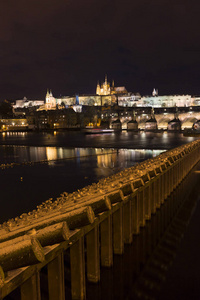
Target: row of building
(113,107)
(114,117)
(108,95)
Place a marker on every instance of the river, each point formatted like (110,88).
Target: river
(38,166)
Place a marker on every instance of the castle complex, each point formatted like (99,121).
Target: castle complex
(110,105)
(109,95)
(106,89)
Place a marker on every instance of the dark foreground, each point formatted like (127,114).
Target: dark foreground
(152,267)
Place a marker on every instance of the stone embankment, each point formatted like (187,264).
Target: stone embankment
(101,216)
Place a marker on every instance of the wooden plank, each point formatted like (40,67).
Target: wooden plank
(118,231)
(158,192)
(153,196)
(30,289)
(93,257)
(147,202)
(56,283)
(106,242)
(128,232)
(77,262)
(141,207)
(135,215)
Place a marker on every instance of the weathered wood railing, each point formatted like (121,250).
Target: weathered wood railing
(97,220)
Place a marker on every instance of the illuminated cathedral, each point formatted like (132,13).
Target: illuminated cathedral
(105,88)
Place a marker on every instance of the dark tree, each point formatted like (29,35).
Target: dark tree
(6,108)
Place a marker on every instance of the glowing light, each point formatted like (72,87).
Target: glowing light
(51,153)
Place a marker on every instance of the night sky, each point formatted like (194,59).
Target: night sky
(68,45)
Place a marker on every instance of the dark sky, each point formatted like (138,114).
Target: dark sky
(68,45)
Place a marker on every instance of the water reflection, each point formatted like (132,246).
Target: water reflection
(124,139)
(124,157)
(106,157)
(49,171)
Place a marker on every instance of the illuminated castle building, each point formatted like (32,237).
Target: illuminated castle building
(107,89)
(25,103)
(50,100)
(104,89)
(168,100)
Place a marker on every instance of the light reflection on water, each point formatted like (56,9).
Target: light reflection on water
(19,154)
(23,187)
(72,139)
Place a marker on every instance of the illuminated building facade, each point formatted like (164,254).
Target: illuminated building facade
(167,101)
(50,101)
(107,95)
(25,103)
(88,100)
(130,100)
(107,89)
(13,124)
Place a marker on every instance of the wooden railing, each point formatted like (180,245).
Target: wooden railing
(90,225)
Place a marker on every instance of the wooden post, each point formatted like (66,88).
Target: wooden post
(128,232)
(163,187)
(93,257)
(77,262)
(170,181)
(175,181)
(56,283)
(141,208)
(153,196)
(179,171)
(106,242)
(166,182)
(158,191)
(147,202)
(30,289)
(118,231)
(135,215)
(172,178)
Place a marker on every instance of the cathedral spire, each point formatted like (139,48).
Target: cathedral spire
(47,94)
(98,89)
(106,79)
